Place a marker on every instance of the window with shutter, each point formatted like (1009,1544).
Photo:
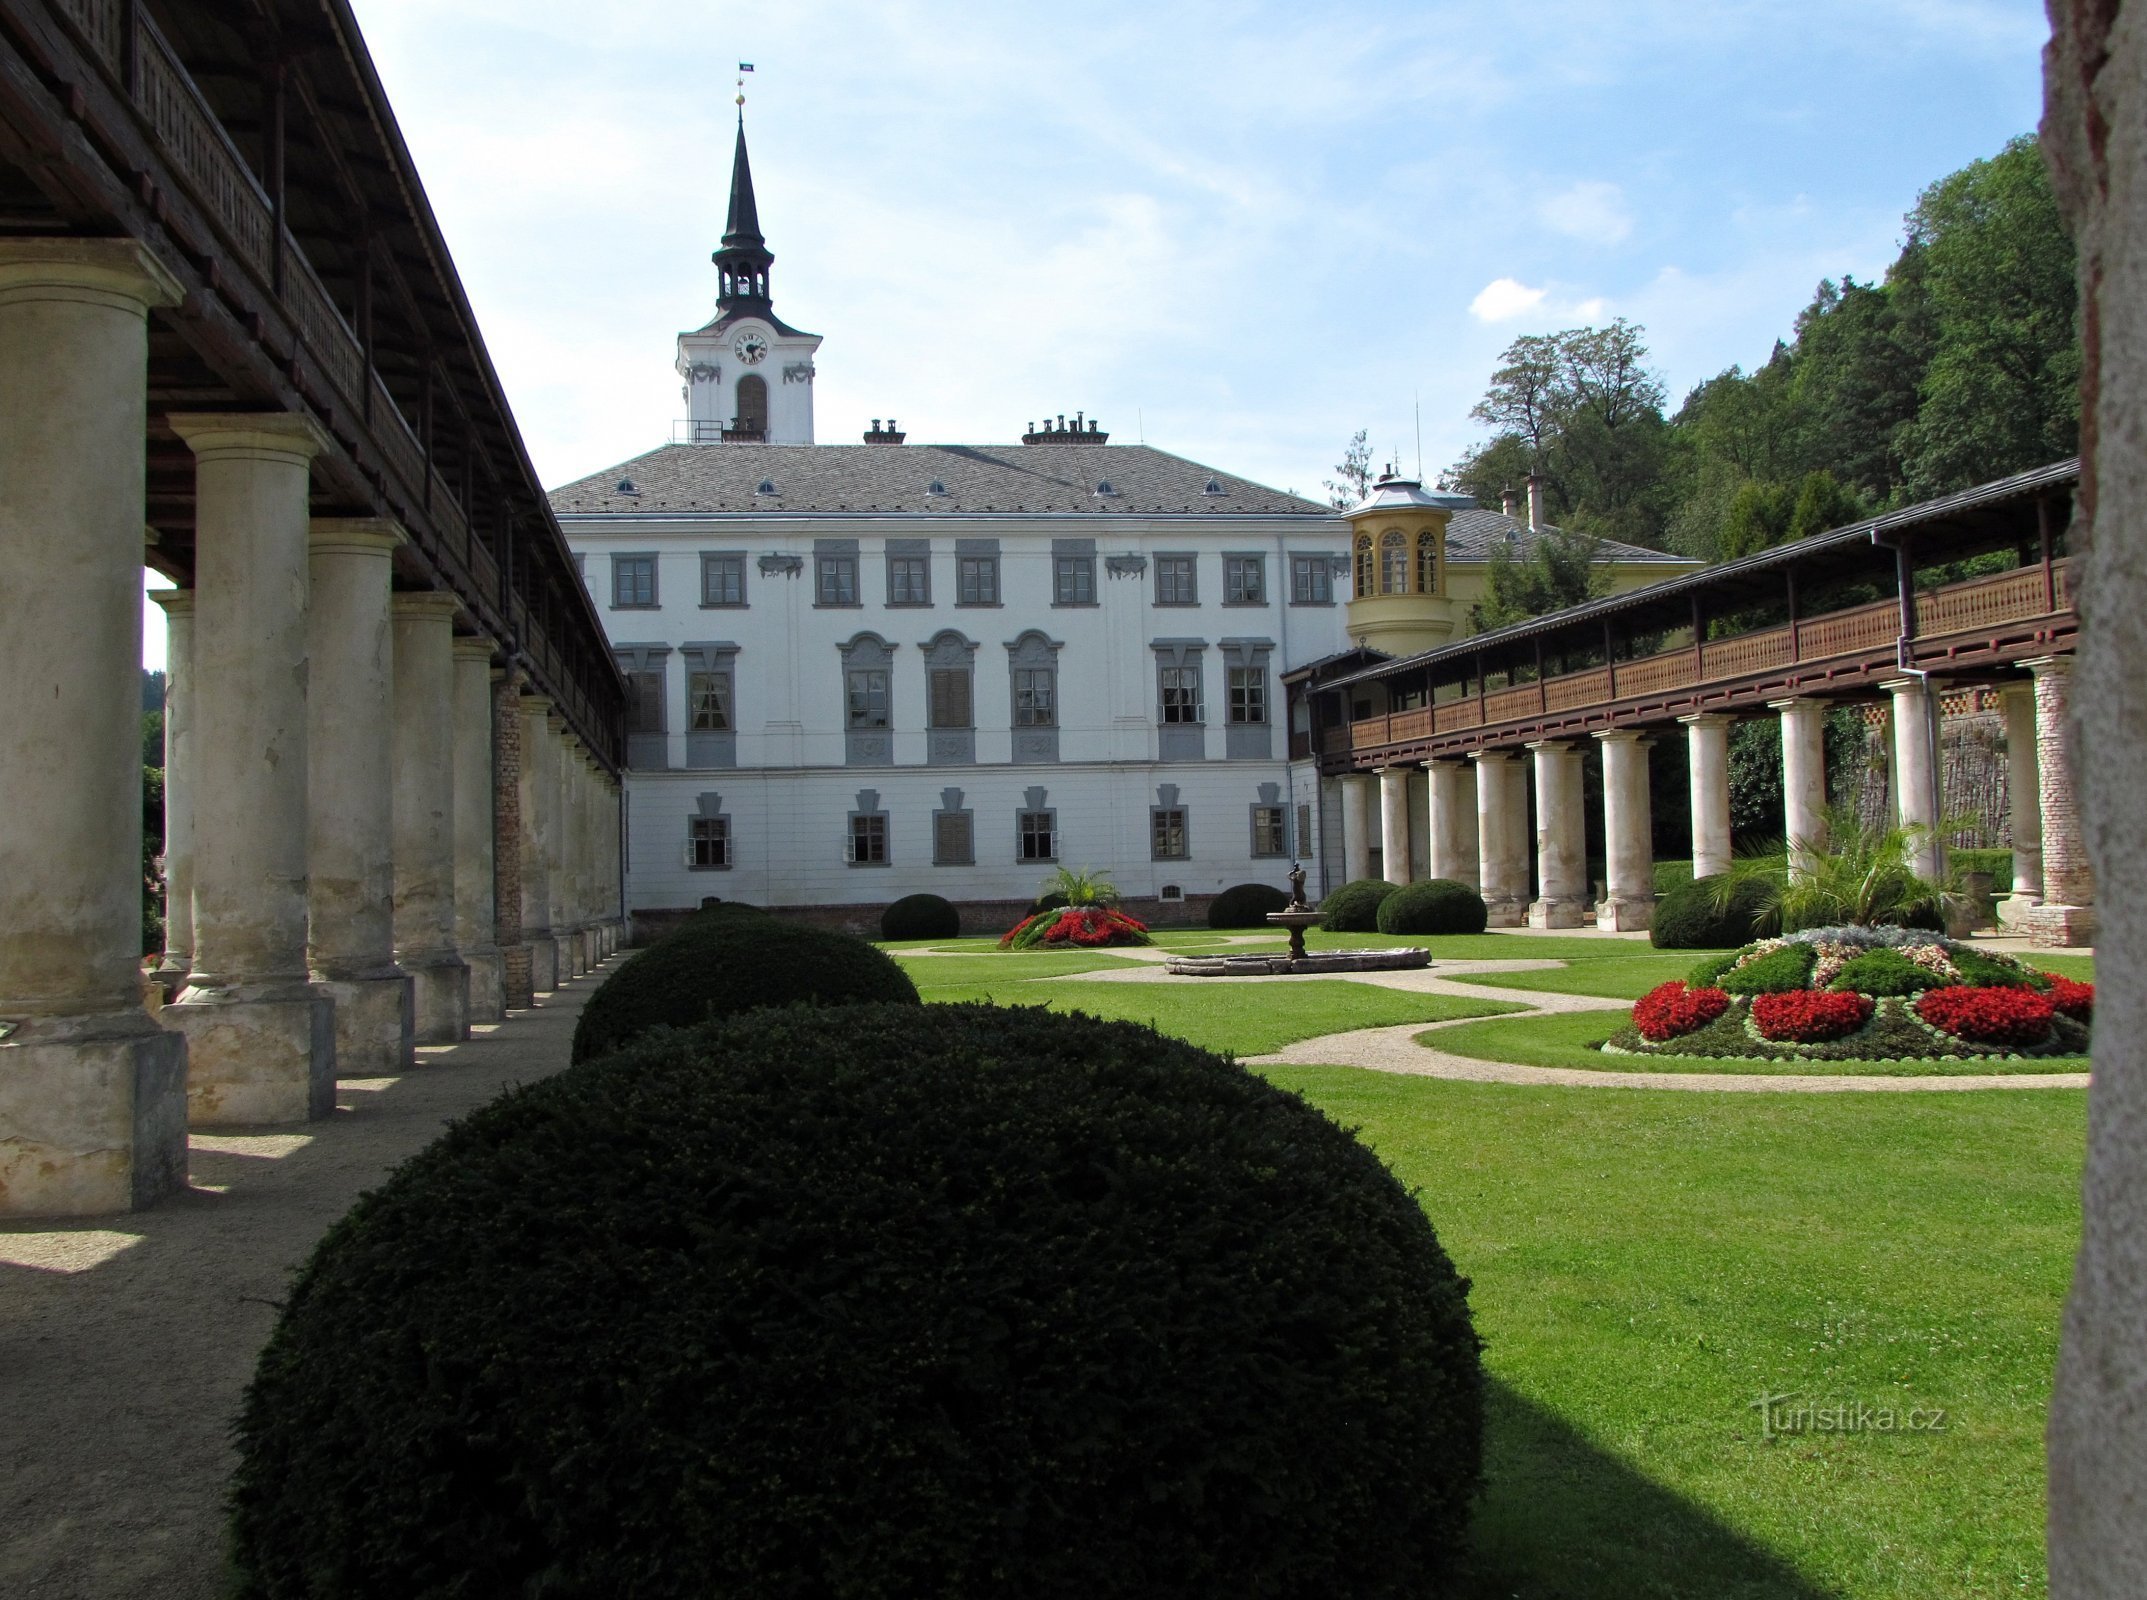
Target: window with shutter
(950,697)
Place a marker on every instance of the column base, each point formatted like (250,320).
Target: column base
(1631,914)
(95,1113)
(488,983)
(2015,911)
(2054,924)
(257,1056)
(440,991)
(516,993)
(543,963)
(573,959)
(375,1024)
(1550,913)
(170,977)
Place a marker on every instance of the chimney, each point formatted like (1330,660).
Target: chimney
(1535,501)
(1083,429)
(1509,503)
(891,434)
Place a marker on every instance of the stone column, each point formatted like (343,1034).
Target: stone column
(261,1039)
(559,847)
(1628,833)
(1561,838)
(536,807)
(615,860)
(1707,758)
(178,957)
(350,838)
(1502,833)
(1394,823)
(2067,914)
(1356,826)
(1453,821)
(592,837)
(508,828)
(2024,800)
(475,930)
(1916,792)
(92,1092)
(424,774)
(1803,779)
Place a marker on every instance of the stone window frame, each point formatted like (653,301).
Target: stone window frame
(950,657)
(713,658)
(1036,803)
(836,559)
(1271,801)
(1033,651)
(1168,570)
(869,829)
(1236,563)
(1180,655)
(978,559)
(1311,570)
(1248,740)
(1075,560)
(641,661)
(951,808)
(708,809)
(912,557)
(868,744)
(720,560)
(619,567)
(1167,807)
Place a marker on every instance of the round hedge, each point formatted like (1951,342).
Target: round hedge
(1354,908)
(960,1302)
(1686,919)
(719,965)
(1246,905)
(921,916)
(1437,905)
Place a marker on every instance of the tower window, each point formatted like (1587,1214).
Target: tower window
(1393,564)
(1364,566)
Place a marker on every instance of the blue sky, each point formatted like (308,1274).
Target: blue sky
(1239,230)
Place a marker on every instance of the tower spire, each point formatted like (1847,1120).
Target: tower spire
(743,261)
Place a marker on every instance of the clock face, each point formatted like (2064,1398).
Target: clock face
(751,348)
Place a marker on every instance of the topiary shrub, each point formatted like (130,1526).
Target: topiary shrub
(1438,905)
(956,1301)
(1885,972)
(1354,908)
(1053,901)
(1686,918)
(921,916)
(718,966)
(1246,905)
(1776,972)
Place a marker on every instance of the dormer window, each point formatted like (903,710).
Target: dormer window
(628,486)
(1212,488)
(935,487)
(767,486)
(1104,488)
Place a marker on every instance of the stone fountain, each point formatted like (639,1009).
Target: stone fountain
(1298,916)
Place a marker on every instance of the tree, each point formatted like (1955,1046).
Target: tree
(1355,469)
(1559,571)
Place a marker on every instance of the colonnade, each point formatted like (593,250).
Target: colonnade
(334,771)
(1472,818)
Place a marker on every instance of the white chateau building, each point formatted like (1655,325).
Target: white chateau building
(864,671)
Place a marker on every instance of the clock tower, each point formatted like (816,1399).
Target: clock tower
(748,375)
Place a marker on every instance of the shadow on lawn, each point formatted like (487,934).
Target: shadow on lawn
(1561,1519)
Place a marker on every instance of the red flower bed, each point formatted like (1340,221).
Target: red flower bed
(2074,999)
(1808,1016)
(1672,1009)
(1090,927)
(1989,1016)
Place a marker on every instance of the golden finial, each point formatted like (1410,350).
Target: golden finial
(744,67)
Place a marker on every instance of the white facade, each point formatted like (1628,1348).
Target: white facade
(717,360)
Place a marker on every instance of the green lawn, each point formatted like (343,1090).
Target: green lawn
(1625,976)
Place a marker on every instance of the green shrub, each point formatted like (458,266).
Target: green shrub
(1774,973)
(1354,908)
(1246,905)
(1670,874)
(1998,863)
(1686,918)
(718,965)
(1989,972)
(1437,905)
(1885,972)
(1053,901)
(921,916)
(957,1301)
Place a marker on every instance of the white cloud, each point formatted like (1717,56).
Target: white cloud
(1592,211)
(1504,299)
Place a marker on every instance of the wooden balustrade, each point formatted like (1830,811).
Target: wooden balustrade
(1981,602)
(1847,633)
(1522,700)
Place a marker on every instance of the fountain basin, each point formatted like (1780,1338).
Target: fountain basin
(1312,964)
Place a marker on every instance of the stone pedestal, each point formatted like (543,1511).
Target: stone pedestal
(261,1041)
(178,957)
(92,1109)
(1357,826)
(1915,753)
(1394,824)
(1453,822)
(1561,839)
(424,813)
(536,804)
(1502,835)
(2025,802)
(350,839)
(476,928)
(1707,759)
(2067,913)
(1803,780)
(1629,847)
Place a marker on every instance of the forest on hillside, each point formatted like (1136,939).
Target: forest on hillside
(1960,366)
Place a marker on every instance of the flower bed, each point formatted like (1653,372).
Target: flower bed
(1075,927)
(1673,1010)
(1989,1016)
(2073,999)
(1809,1016)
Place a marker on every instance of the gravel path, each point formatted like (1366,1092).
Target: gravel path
(126,1341)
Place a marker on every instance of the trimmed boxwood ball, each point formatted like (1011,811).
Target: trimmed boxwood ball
(1685,917)
(880,1303)
(921,916)
(719,966)
(1354,908)
(1437,905)
(1246,905)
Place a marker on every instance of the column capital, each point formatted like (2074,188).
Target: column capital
(176,602)
(536,705)
(1901,688)
(250,435)
(424,605)
(358,536)
(2050,666)
(1493,756)
(1637,736)
(1402,768)
(475,647)
(119,274)
(1556,746)
(1708,719)
(1797,702)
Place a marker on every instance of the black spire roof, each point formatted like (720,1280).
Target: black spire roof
(743,261)
(743,225)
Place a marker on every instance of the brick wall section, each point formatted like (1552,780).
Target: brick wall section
(980,918)
(507,836)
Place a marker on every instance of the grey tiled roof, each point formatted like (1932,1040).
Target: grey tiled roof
(977,478)
(1472,534)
